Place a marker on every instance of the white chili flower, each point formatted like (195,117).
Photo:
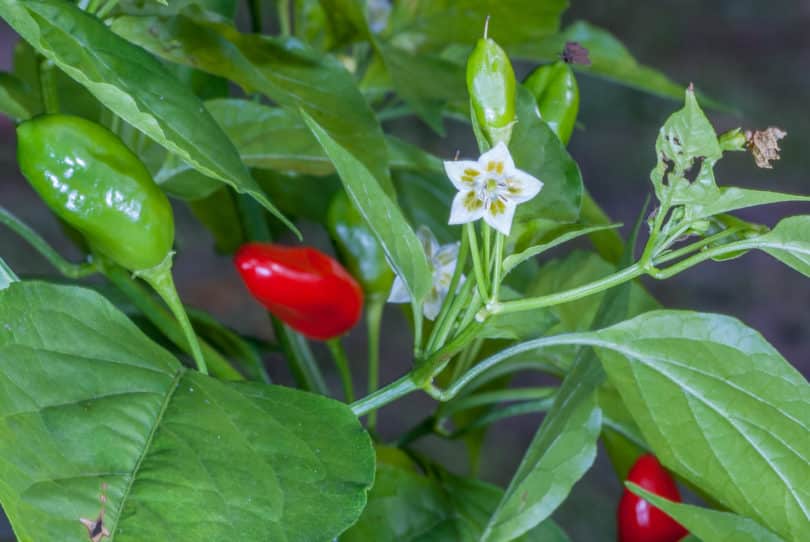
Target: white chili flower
(442,260)
(489,188)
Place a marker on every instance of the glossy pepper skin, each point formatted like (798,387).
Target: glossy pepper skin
(306,289)
(555,88)
(491,84)
(358,248)
(638,520)
(92,181)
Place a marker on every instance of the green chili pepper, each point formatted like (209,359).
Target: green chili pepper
(554,86)
(358,248)
(491,84)
(92,181)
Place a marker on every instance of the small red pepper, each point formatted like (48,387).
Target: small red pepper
(308,290)
(639,521)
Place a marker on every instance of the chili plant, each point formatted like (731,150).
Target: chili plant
(129,416)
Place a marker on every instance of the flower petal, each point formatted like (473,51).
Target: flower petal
(497,159)
(433,304)
(428,240)
(399,292)
(466,208)
(522,186)
(462,173)
(499,215)
(446,256)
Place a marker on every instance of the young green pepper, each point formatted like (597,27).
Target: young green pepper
(554,86)
(491,84)
(92,181)
(358,248)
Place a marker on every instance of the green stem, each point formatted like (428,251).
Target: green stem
(303,365)
(674,255)
(478,269)
(373,320)
(93,6)
(108,7)
(629,273)
(497,266)
(486,364)
(393,391)
(495,397)
(66,268)
(442,330)
(446,315)
(284,17)
(702,256)
(486,240)
(160,278)
(342,364)
(47,82)
(163,320)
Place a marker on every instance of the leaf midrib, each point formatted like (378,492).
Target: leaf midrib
(147,445)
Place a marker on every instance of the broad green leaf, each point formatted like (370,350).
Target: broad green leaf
(226,8)
(284,69)
(403,155)
(560,453)
(402,248)
(133,84)
(686,149)
(406,505)
(270,137)
(302,196)
(425,82)
(569,233)
(425,198)
(733,198)
(539,152)
(16,99)
(346,20)
(709,525)
(610,59)
(88,401)
(788,242)
(720,407)
(520,325)
(432,24)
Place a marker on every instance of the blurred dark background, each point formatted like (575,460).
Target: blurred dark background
(754,56)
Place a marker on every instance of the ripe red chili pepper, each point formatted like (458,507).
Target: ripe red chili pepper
(303,287)
(639,521)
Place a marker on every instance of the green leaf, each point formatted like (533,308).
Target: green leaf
(402,248)
(406,505)
(539,152)
(270,137)
(425,82)
(432,24)
(687,149)
(134,85)
(720,407)
(16,99)
(788,242)
(709,525)
(425,198)
(733,198)
(302,196)
(88,401)
(518,326)
(565,234)
(284,69)
(610,59)
(560,453)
